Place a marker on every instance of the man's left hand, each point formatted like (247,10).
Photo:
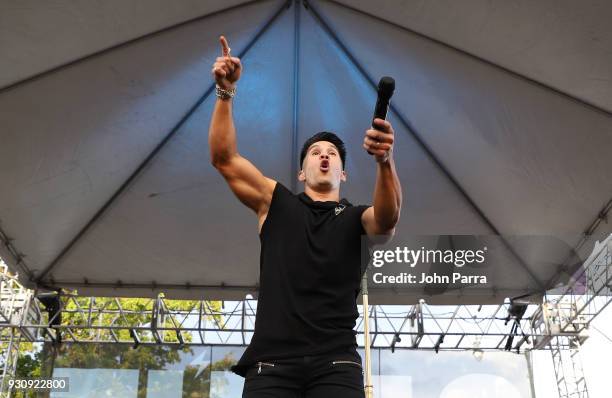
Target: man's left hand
(379,140)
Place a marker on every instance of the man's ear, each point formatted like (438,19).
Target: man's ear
(301,176)
(343,176)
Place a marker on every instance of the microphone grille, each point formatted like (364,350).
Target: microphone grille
(386,86)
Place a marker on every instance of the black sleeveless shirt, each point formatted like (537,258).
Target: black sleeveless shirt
(310,277)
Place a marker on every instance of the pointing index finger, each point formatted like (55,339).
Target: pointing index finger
(225,47)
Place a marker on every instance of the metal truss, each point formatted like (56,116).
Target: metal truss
(79,320)
(71,318)
(563,320)
(568,368)
(16,310)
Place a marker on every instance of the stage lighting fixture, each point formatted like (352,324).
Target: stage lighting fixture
(396,339)
(134,335)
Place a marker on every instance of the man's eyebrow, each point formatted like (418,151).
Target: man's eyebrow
(317,146)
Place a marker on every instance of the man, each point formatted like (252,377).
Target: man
(304,343)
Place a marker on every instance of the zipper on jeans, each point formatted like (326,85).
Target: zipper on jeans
(259,364)
(352,362)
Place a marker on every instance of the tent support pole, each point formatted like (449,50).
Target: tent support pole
(296,95)
(368,388)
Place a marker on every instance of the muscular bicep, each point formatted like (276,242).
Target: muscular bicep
(371,226)
(249,185)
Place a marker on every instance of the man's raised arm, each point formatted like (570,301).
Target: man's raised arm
(244,179)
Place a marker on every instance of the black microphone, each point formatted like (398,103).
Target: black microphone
(386,86)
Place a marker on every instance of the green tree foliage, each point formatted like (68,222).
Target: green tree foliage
(122,312)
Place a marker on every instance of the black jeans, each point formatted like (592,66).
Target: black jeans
(335,375)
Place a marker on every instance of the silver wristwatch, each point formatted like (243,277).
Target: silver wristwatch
(223,93)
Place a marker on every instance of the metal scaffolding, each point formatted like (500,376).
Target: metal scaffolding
(76,319)
(17,310)
(563,320)
(559,324)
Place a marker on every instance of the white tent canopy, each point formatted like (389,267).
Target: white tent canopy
(502,114)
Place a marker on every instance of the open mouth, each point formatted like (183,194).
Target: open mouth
(324,165)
